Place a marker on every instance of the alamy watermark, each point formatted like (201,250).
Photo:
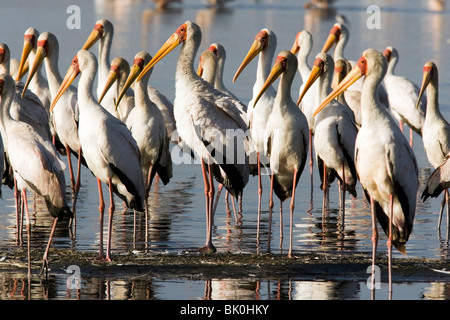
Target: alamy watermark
(229,147)
(374,280)
(374,20)
(74,280)
(74,20)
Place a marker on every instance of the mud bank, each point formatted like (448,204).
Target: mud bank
(197,266)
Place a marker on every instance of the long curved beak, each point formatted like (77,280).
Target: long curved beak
(276,71)
(425,82)
(168,46)
(351,78)
(200,70)
(92,39)
(314,75)
(134,73)
(40,56)
(27,47)
(70,76)
(112,77)
(329,43)
(255,49)
(295,47)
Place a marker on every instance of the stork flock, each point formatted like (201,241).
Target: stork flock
(349,113)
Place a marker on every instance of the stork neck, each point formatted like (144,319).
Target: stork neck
(302,57)
(325,81)
(370,103)
(185,63)
(4,66)
(218,83)
(433,99)
(262,72)
(85,87)
(141,93)
(53,76)
(5,104)
(391,66)
(339,49)
(284,93)
(104,50)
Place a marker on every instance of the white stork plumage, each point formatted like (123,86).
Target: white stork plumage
(335,134)
(286,138)
(110,151)
(403,95)
(204,118)
(35,162)
(435,133)
(386,164)
(302,48)
(65,116)
(146,123)
(264,45)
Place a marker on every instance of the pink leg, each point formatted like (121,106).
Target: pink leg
(76,189)
(411,139)
(45,258)
(389,243)
(292,213)
(208,246)
(101,209)
(147,192)
(111,213)
(270,212)
(27,215)
(259,197)
(374,242)
(325,190)
(311,159)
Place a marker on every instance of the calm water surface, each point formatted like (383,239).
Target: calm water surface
(415,28)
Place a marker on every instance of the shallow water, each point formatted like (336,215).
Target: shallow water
(177,221)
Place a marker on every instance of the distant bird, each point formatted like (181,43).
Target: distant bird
(205,117)
(65,116)
(147,126)
(335,134)
(435,135)
(35,162)
(110,151)
(386,164)
(286,138)
(402,95)
(264,45)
